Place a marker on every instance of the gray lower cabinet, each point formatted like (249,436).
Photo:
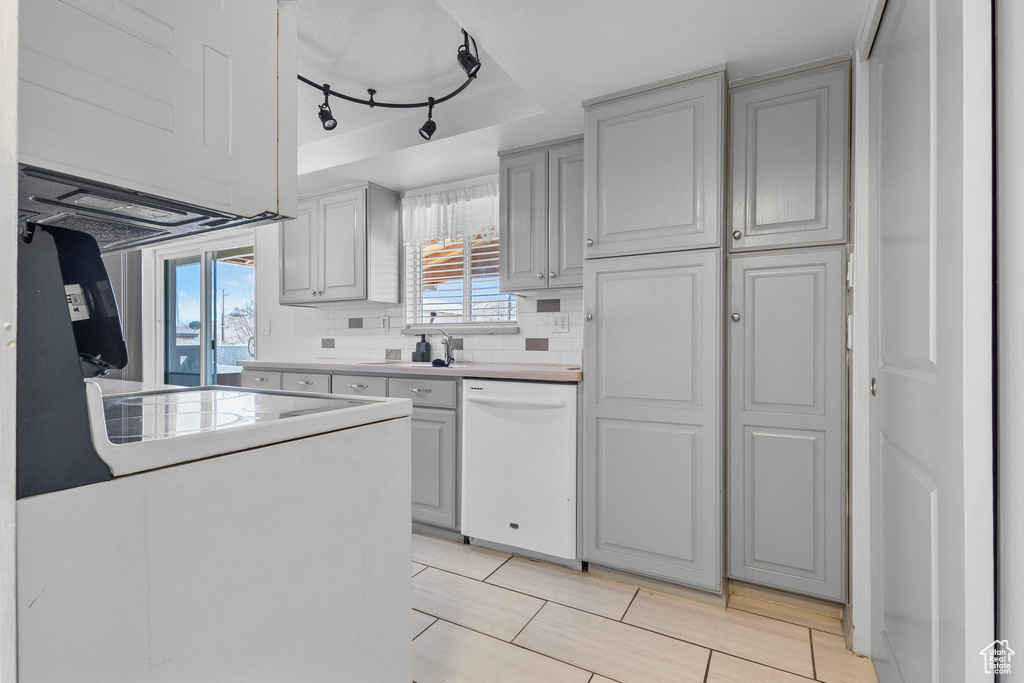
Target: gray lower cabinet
(434,489)
(787,424)
(654,168)
(652,417)
(261,379)
(790,160)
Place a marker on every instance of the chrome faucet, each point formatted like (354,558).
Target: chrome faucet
(446,341)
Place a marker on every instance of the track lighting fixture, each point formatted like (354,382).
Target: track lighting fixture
(326,117)
(469,61)
(428,128)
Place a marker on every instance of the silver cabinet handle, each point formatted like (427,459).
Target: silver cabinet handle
(260,379)
(590,316)
(552,274)
(540,276)
(735,317)
(359,386)
(418,390)
(312,292)
(590,243)
(736,234)
(303,382)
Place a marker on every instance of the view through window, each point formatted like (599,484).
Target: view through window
(210,316)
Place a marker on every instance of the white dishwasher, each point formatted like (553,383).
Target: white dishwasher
(519,465)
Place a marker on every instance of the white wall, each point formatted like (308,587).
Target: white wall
(8,330)
(298,333)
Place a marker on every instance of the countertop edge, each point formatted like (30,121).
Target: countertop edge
(538,372)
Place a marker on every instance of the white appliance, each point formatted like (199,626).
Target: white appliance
(519,465)
(245,535)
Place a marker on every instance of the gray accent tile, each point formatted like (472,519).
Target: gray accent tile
(354,323)
(549,305)
(457,343)
(537,344)
(326,343)
(392,354)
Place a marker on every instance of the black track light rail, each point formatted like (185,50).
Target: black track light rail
(469,61)
(390,105)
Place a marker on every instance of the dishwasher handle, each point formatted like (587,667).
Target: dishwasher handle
(523,403)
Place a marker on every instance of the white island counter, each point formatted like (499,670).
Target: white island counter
(241,539)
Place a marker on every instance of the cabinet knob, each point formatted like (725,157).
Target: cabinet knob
(552,274)
(540,276)
(312,292)
(736,234)
(590,243)
(590,316)
(735,317)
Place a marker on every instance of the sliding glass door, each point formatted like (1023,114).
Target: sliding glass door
(209,317)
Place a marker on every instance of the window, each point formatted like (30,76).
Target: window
(452,258)
(456,282)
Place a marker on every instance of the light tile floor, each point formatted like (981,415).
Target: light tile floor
(481,616)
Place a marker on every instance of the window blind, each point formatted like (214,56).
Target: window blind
(455,282)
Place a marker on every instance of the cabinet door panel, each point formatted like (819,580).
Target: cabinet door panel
(523,221)
(652,461)
(343,224)
(566,230)
(787,432)
(790,158)
(300,255)
(654,166)
(433,466)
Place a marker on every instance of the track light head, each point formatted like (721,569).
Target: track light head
(326,118)
(469,62)
(429,128)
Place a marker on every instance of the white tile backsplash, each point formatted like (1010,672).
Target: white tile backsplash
(372,339)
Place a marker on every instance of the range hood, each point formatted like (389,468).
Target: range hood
(118,218)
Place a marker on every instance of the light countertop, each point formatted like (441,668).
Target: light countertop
(527,371)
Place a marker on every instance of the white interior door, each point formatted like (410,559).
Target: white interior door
(932,543)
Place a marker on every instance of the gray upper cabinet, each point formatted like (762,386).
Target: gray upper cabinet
(790,160)
(523,221)
(652,417)
(654,167)
(343,246)
(541,217)
(566,232)
(300,269)
(342,257)
(787,425)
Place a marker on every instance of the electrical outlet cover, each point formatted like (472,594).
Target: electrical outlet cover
(559,323)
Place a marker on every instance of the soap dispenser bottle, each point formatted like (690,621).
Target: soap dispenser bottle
(422,352)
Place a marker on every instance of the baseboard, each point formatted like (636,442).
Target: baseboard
(529,554)
(692,594)
(804,602)
(447,534)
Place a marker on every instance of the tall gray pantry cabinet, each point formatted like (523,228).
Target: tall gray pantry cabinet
(664,448)
(653,174)
(786,364)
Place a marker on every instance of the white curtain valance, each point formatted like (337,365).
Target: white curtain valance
(451,215)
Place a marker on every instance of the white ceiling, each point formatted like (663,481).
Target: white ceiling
(541,59)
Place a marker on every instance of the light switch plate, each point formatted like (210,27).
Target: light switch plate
(265,327)
(559,322)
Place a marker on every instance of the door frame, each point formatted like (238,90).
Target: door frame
(979,373)
(153,305)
